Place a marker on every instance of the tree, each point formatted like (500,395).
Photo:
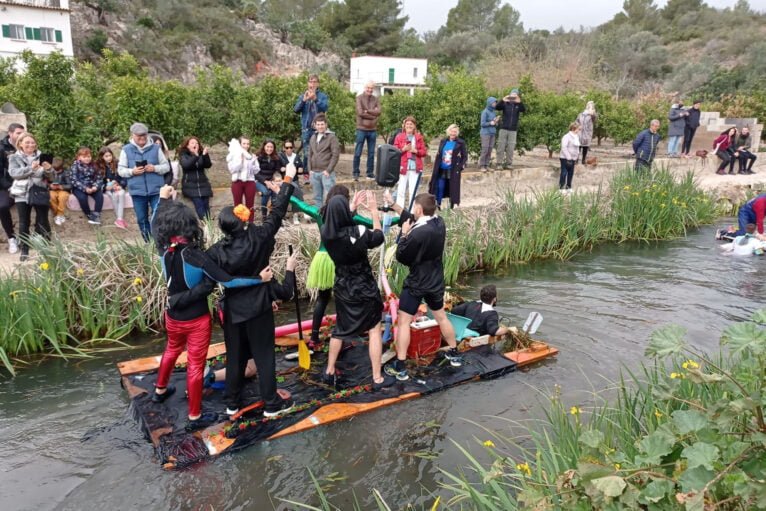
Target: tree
(677,8)
(367,27)
(101,7)
(506,22)
(289,16)
(471,15)
(639,11)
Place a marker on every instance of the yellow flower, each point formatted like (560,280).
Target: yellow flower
(626,187)
(617,466)
(524,468)
(654,185)
(679,376)
(690,364)
(137,281)
(662,205)
(609,451)
(45,266)
(80,272)
(388,271)
(139,299)
(657,413)
(683,205)
(489,443)
(39,290)
(574,410)
(635,194)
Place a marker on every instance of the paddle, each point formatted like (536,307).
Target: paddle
(304,357)
(532,323)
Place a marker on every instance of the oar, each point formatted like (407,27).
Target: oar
(532,323)
(304,357)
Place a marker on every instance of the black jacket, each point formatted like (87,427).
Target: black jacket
(6,149)
(484,323)
(511,112)
(422,251)
(195,182)
(268,167)
(247,253)
(693,119)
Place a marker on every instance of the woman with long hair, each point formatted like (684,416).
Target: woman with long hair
(195,184)
(724,149)
(357,299)
(269,164)
(587,121)
(26,170)
(114,184)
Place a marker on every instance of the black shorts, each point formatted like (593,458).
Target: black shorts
(409,301)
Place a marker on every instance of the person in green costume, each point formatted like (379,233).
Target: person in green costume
(321,275)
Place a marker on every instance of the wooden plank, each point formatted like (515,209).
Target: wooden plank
(526,357)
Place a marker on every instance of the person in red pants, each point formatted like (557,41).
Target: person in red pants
(190,276)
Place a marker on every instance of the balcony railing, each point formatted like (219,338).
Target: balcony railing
(51,4)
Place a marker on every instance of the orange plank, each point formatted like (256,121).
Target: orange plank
(339,411)
(526,357)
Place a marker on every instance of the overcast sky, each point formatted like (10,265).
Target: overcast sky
(549,14)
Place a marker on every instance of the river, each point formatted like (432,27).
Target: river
(68,443)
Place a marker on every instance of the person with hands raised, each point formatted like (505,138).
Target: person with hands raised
(357,299)
(195,184)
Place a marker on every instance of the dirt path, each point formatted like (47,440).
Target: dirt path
(532,172)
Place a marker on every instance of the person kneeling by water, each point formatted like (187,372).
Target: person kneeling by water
(751,212)
(482,313)
(421,248)
(747,244)
(190,277)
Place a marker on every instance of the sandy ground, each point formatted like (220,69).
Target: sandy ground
(531,172)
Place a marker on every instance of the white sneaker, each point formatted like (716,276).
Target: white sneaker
(63,219)
(57,220)
(13,246)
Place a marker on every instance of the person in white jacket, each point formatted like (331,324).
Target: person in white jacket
(243,166)
(570,151)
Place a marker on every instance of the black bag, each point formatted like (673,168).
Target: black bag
(38,196)
(387,163)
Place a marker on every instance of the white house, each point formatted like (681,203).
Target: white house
(388,73)
(41,26)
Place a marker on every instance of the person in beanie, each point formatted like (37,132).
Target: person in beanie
(487,132)
(511,108)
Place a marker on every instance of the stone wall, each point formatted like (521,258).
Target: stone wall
(8,115)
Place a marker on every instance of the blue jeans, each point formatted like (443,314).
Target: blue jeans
(567,171)
(141,205)
(305,137)
(321,184)
(674,144)
(363,136)
(201,206)
(441,187)
(82,198)
(266,194)
(745,216)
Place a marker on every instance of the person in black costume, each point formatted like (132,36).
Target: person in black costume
(357,299)
(421,248)
(248,317)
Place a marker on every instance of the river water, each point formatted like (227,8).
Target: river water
(67,442)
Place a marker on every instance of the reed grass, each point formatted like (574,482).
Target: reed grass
(77,293)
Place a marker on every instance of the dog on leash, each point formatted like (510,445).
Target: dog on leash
(702,155)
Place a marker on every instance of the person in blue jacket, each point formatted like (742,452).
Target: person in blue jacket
(312,102)
(487,131)
(645,146)
(144,165)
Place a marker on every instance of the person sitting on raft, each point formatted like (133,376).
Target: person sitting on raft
(190,275)
(747,244)
(357,298)
(248,318)
(482,313)
(283,292)
(752,212)
(421,248)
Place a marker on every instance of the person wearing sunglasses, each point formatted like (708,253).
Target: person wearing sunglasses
(288,155)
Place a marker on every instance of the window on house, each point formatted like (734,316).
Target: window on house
(414,72)
(14,31)
(47,35)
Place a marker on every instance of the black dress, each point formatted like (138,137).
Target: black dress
(357,299)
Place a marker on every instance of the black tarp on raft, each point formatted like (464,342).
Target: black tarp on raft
(164,423)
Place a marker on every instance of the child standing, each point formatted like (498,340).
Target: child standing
(114,184)
(58,186)
(86,183)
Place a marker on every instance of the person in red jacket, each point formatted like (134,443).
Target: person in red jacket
(410,142)
(752,212)
(724,149)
